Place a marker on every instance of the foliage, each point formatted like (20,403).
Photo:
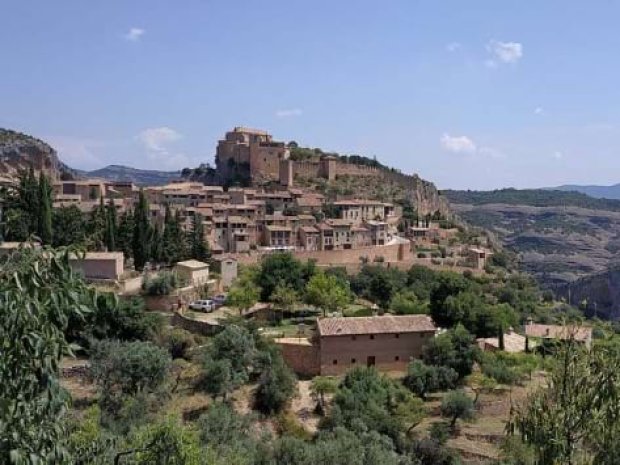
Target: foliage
(178,342)
(282,269)
(229,360)
(162,284)
(199,248)
(284,297)
(244,293)
(69,227)
(276,387)
(368,401)
(454,349)
(111,318)
(141,237)
(422,379)
(407,303)
(320,387)
(222,429)
(457,404)
(39,294)
(327,293)
(126,373)
(575,415)
(378,283)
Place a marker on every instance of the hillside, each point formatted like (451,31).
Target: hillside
(20,151)
(599,192)
(135,175)
(565,239)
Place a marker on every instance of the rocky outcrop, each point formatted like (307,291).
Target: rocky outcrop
(20,151)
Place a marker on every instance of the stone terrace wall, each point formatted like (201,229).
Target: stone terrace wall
(389,253)
(301,356)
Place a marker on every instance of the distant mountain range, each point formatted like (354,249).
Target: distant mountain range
(135,175)
(599,192)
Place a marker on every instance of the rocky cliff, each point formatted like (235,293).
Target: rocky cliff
(20,151)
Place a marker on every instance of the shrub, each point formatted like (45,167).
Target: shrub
(162,284)
(178,342)
(275,388)
(440,432)
(422,379)
(455,405)
(421,255)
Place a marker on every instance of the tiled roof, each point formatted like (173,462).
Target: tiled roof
(579,333)
(513,342)
(193,264)
(386,324)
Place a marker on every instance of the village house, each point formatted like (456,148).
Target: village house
(108,266)
(386,342)
(478,257)
(193,272)
(581,334)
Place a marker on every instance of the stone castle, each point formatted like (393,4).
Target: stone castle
(252,155)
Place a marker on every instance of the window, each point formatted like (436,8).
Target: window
(335,362)
(397,358)
(372,336)
(396,335)
(353,338)
(352,360)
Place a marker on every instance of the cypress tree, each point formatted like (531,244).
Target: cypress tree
(124,236)
(156,245)
(141,233)
(199,247)
(44,222)
(500,335)
(110,236)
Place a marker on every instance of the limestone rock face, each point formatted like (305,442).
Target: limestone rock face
(19,151)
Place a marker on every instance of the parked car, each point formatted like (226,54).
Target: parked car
(202,305)
(219,300)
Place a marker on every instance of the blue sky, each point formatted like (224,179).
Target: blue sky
(476,94)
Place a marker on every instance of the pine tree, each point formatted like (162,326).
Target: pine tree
(44,222)
(141,233)
(199,247)
(110,231)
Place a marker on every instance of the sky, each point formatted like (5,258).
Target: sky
(470,95)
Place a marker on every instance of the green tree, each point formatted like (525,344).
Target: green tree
(454,349)
(422,379)
(69,226)
(282,268)
(243,294)
(142,234)
(111,226)
(173,238)
(320,387)
(39,295)
(284,298)
(455,405)
(198,244)
(326,293)
(124,239)
(97,225)
(276,387)
(407,303)
(44,220)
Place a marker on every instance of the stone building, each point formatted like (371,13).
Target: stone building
(250,154)
(387,342)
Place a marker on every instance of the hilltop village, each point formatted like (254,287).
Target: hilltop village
(287,303)
(273,214)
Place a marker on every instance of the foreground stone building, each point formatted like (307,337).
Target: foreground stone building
(386,342)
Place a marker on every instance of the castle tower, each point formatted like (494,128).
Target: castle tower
(328,168)
(286,172)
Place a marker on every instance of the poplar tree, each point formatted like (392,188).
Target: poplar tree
(142,233)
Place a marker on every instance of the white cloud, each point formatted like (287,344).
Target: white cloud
(157,143)
(156,139)
(134,34)
(538,111)
(505,52)
(453,47)
(457,144)
(289,112)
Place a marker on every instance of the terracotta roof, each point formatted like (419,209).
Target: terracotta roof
(339,223)
(273,227)
(309,229)
(386,324)
(513,342)
(579,333)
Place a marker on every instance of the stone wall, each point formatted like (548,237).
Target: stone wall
(203,328)
(301,355)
